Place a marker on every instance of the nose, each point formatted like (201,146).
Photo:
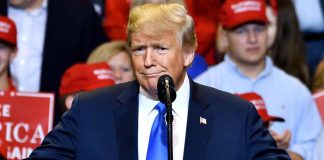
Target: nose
(149,58)
(252,36)
(117,74)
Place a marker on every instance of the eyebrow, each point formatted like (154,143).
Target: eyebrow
(155,44)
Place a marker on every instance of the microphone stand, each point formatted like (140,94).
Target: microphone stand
(169,119)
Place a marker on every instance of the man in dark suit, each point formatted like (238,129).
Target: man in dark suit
(70,30)
(115,122)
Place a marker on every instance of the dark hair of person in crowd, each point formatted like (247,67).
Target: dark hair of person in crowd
(288,50)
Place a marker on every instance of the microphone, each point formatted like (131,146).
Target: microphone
(166,95)
(166,89)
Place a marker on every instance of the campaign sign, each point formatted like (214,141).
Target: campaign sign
(25,119)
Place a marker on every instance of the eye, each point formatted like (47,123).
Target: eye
(259,28)
(239,30)
(138,50)
(161,49)
(125,69)
(2,46)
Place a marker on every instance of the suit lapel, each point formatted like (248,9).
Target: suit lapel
(126,120)
(198,125)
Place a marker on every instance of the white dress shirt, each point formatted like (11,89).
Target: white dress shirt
(147,114)
(26,67)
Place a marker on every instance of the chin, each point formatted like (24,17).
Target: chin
(152,91)
(152,87)
(254,62)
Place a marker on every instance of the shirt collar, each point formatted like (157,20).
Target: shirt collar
(179,106)
(233,67)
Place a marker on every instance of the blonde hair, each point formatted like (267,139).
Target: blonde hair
(107,50)
(141,2)
(159,19)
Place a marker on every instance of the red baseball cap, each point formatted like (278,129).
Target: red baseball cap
(259,104)
(237,12)
(86,77)
(8,31)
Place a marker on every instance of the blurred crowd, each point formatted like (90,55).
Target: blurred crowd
(272,56)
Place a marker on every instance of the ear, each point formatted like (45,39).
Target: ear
(68,101)
(221,40)
(188,57)
(13,54)
(223,37)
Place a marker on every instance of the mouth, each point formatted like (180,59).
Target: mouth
(152,74)
(253,49)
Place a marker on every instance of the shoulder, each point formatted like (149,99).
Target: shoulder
(210,75)
(109,92)
(213,69)
(289,81)
(218,99)
(107,96)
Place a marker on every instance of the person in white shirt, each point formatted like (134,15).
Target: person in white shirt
(52,36)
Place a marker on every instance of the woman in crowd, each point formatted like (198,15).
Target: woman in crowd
(286,46)
(117,55)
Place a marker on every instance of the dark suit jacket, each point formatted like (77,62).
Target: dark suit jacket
(103,125)
(73,30)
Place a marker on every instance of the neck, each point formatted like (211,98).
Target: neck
(30,6)
(251,70)
(4,81)
(35,5)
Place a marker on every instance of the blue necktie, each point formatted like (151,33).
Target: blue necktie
(157,148)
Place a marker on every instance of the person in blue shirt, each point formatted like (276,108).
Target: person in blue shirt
(247,68)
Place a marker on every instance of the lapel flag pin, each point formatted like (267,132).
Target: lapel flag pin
(203,120)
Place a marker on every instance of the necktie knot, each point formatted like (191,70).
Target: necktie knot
(161,108)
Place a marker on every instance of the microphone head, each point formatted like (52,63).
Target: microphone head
(161,86)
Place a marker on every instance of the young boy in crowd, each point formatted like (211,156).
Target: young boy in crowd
(247,68)
(8,50)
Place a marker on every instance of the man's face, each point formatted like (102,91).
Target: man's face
(154,56)
(248,44)
(6,55)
